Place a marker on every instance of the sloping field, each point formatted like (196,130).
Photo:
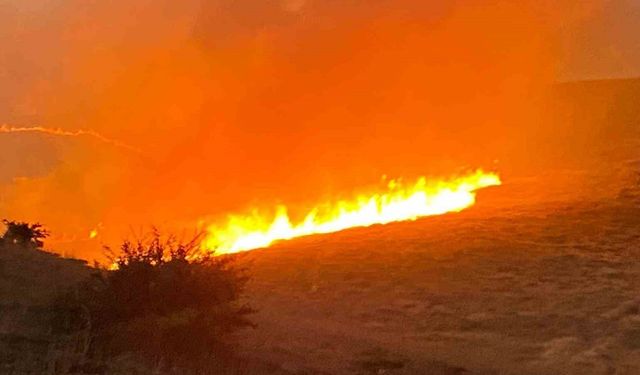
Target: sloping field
(544,287)
(29,281)
(541,277)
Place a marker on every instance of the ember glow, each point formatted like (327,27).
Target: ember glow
(399,202)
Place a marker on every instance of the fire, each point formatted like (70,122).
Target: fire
(397,203)
(4,128)
(93,234)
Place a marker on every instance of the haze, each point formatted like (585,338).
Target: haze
(233,105)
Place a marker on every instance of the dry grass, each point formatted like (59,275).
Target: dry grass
(29,281)
(544,288)
(547,288)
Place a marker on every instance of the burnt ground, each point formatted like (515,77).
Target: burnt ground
(541,277)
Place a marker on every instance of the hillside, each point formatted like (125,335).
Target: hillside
(543,287)
(550,288)
(29,280)
(541,277)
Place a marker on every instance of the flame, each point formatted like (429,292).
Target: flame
(93,234)
(4,128)
(398,203)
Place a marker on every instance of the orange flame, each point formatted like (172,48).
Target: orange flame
(398,203)
(64,133)
(93,234)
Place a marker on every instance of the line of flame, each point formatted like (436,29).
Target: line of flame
(64,133)
(397,203)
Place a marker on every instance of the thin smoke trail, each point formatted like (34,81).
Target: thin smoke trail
(64,133)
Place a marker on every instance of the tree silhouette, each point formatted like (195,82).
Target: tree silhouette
(25,234)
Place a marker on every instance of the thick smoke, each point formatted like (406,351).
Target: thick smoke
(238,104)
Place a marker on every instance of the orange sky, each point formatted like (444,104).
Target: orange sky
(238,104)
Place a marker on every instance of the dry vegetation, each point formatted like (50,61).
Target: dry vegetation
(165,309)
(30,280)
(547,287)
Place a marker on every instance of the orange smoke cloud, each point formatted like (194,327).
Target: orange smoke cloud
(244,104)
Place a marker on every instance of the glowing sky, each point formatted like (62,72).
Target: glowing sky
(234,104)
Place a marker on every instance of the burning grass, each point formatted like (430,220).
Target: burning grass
(398,202)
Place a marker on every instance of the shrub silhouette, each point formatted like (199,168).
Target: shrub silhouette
(166,302)
(25,234)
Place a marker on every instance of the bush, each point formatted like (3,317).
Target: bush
(165,302)
(24,234)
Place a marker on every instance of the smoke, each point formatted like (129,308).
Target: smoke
(245,103)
